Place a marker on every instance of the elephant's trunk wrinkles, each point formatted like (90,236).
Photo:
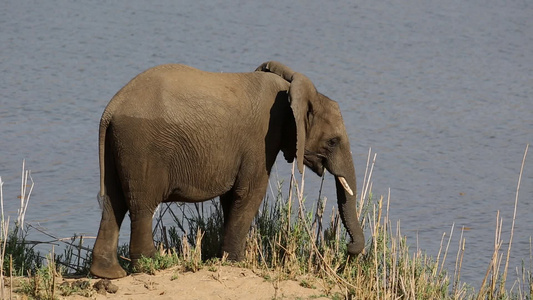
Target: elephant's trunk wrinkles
(347,209)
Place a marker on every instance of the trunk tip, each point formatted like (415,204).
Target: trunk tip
(355,248)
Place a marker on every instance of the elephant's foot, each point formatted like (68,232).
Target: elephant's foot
(104,269)
(232,255)
(135,258)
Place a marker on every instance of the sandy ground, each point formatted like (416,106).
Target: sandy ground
(224,283)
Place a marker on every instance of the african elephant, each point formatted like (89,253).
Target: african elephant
(176,133)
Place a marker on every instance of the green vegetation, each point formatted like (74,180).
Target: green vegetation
(287,241)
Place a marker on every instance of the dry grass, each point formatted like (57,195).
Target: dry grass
(4,225)
(289,241)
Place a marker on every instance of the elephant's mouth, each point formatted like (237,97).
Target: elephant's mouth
(315,161)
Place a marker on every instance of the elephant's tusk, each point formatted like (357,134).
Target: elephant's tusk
(345,185)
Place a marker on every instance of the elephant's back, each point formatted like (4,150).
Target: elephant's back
(148,94)
(175,92)
(183,76)
(168,70)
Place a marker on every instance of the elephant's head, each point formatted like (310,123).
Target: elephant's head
(321,142)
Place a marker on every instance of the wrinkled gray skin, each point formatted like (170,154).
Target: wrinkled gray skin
(175,133)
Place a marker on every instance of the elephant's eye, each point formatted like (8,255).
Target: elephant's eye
(333,142)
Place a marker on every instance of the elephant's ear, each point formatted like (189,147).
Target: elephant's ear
(302,92)
(277,68)
(301,95)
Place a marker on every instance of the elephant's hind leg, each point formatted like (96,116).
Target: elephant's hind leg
(141,240)
(143,198)
(146,188)
(105,263)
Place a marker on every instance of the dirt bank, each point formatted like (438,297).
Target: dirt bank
(224,282)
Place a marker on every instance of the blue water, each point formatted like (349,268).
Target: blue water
(441,91)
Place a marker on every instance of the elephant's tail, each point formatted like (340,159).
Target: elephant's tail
(103,143)
(104,124)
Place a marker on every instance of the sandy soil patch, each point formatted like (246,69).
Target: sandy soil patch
(227,282)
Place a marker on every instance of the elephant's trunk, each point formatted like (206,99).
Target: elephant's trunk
(346,200)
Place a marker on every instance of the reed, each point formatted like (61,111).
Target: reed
(4,230)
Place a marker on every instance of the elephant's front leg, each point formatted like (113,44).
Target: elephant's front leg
(241,214)
(141,240)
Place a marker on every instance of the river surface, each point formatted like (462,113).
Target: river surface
(442,91)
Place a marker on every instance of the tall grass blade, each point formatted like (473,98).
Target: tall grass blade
(24,194)
(504,277)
